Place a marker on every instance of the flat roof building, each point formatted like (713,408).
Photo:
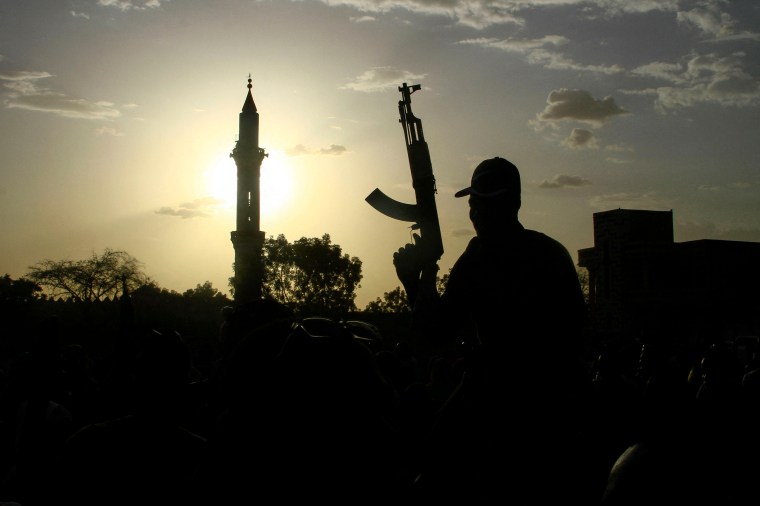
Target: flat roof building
(645,286)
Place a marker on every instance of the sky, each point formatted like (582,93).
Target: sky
(117,118)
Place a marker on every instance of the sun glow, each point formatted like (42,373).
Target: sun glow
(221,181)
(276,183)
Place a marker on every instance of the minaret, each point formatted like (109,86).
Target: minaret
(248,240)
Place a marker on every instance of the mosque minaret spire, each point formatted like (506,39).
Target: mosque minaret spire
(248,239)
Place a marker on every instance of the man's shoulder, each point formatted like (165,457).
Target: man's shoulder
(472,248)
(531,240)
(538,236)
(540,239)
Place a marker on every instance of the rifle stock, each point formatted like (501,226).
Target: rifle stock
(423,213)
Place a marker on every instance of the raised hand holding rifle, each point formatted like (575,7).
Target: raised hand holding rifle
(416,263)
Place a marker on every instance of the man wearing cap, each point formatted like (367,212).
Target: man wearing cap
(515,294)
(510,286)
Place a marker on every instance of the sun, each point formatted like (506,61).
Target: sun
(276,181)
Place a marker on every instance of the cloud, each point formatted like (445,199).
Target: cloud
(618,148)
(462,232)
(23,75)
(198,208)
(363,19)
(82,15)
(556,61)
(181,212)
(660,70)
(477,14)
(580,138)
(480,14)
(753,36)
(540,52)
(297,150)
(616,160)
(380,79)
(739,185)
(708,18)
(201,202)
(334,149)
(301,150)
(23,92)
(618,7)
(104,130)
(706,78)
(563,180)
(128,5)
(577,105)
(518,45)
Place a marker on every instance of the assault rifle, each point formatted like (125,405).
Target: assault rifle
(423,214)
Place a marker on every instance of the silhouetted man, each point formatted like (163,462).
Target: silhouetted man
(516,289)
(515,293)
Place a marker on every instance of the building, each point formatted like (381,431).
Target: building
(645,286)
(248,239)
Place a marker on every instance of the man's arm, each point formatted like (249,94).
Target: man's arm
(417,275)
(440,322)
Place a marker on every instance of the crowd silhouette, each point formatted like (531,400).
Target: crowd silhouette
(493,401)
(307,409)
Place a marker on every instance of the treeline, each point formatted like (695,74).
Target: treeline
(97,324)
(96,299)
(309,275)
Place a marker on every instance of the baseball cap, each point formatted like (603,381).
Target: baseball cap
(492,177)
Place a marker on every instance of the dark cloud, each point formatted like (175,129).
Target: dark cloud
(563,180)
(578,105)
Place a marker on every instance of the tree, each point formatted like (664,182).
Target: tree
(395,301)
(584,281)
(96,278)
(205,292)
(18,290)
(440,283)
(391,302)
(311,275)
(195,313)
